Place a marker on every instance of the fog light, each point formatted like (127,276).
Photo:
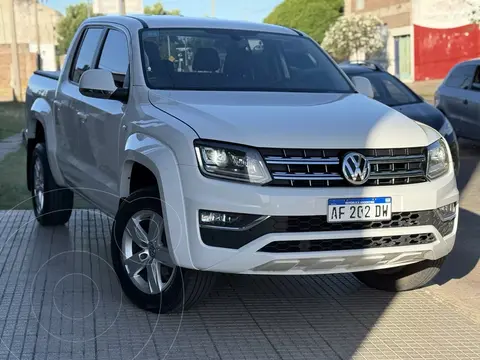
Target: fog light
(231,221)
(447,212)
(216,218)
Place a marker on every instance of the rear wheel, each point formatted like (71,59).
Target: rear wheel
(52,204)
(402,278)
(142,261)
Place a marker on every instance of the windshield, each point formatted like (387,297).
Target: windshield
(235,60)
(389,90)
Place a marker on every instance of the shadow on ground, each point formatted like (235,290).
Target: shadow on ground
(465,255)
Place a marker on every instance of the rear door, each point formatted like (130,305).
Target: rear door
(103,126)
(454,97)
(69,107)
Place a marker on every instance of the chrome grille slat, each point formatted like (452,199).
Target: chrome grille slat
(322,167)
(397,175)
(306,176)
(301,161)
(395,159)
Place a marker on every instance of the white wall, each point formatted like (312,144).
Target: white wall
(442,14)
(112,6)
(47,53)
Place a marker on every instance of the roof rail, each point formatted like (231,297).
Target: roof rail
(370,64)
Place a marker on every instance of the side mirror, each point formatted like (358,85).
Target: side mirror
(99,84)
(363,86)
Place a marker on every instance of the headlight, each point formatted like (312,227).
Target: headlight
(446,128)
(231,162)
(438,159)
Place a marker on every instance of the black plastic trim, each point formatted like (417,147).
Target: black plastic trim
(54,75)
(298,32)
(144,24)
(225,238)
(295,246)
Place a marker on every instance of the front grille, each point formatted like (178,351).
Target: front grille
(347,244)
(321,168)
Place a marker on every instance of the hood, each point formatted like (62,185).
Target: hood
(424,113)
(291,120)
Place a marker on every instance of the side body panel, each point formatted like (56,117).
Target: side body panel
(40,111)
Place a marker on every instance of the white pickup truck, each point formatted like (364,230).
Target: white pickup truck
(234,147)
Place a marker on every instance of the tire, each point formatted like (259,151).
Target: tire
(404,278)
(181,288)
(52,204)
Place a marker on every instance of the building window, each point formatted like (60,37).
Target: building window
(360,4)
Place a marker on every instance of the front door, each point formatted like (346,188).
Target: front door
(403,59)
(100,155)
(70,109)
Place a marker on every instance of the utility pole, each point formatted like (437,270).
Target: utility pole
(213,8)
(121,7)
(37,32)
(15,73)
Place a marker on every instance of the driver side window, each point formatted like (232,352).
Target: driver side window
(114,56)
(86,52)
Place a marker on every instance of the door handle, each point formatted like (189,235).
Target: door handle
(465,102)
(82,116)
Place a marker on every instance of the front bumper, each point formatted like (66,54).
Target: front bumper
(193,193)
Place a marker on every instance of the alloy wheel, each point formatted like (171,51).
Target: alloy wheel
(145,254)
(38,185)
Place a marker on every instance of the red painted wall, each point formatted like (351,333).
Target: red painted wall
(437,50)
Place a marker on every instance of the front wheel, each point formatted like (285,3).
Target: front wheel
(402,278)
(142,261)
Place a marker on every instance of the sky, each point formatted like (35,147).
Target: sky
(249,10)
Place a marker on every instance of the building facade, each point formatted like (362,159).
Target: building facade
(27,41)
(425,38)
(107,7)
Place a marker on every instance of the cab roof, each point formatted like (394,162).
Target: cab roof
(173,21)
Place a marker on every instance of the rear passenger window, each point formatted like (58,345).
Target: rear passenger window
(461,77)
(84,59)
(114,57)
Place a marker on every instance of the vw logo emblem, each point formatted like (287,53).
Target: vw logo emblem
(356,168)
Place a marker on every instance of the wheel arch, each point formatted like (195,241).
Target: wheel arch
(41,128)
(142,151)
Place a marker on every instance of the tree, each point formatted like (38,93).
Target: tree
(313,17)
(352,35)
(157,9)
(74,16)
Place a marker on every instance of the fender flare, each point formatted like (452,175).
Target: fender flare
(41,112)
(152,154)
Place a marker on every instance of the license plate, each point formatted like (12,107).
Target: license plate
(359,209)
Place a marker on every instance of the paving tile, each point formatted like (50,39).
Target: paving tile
(60,299)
